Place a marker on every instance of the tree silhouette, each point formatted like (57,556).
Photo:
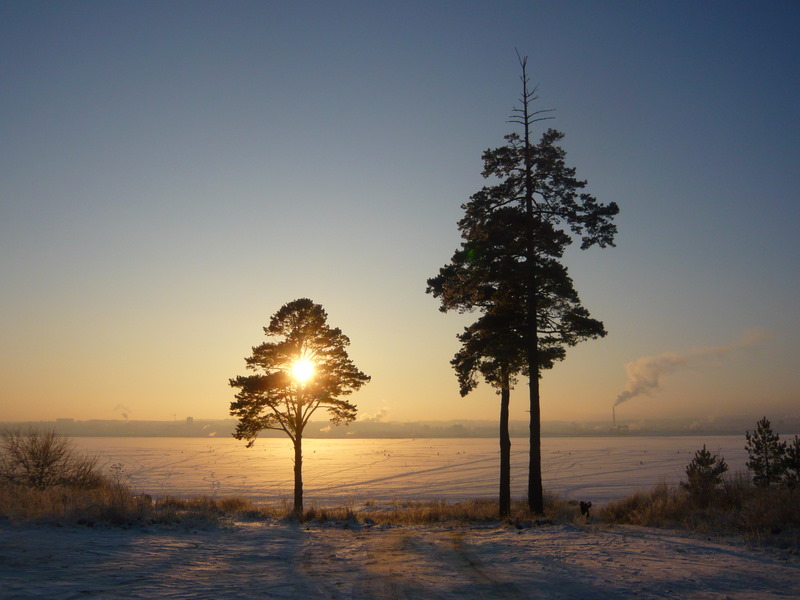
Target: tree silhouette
(305,369)
(792,463)
(704,474)
(515,233)
(478,277)
(485,274)
(766,453)
(489,348)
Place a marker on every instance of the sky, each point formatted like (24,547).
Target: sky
(172,173)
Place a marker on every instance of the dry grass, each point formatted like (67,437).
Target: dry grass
(761,515)
(106,503)
(443,513)
(115,504)
(418,513)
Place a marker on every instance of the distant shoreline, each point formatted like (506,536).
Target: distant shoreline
(224,428)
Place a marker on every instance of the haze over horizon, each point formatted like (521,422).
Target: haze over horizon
(172,173)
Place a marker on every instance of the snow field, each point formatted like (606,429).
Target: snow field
(384,470)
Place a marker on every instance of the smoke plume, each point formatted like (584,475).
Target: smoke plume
(123,410)
(378,417)
(644,374)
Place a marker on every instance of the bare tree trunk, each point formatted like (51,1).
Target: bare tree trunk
(298,475)
(505,450)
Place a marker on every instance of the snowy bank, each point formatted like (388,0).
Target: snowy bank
(279,560)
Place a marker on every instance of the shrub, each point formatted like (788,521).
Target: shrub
(704,475)
(44,459)
(759,514)
(661,506)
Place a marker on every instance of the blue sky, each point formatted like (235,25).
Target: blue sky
(171,173)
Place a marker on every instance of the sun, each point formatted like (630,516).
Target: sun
(302,370)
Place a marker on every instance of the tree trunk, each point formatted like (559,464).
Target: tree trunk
(505,450)
(298,475)
(535,494)
(535,497)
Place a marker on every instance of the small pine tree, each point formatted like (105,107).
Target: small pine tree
(766,453)
(704,474)
(792,464)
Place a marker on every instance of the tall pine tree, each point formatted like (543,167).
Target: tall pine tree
(514,235)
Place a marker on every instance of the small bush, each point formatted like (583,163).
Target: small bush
(44,459)
(703,475)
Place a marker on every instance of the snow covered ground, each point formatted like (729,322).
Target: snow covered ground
(347,470)
(283,560)
(280,560)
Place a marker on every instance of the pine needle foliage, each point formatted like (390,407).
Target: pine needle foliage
(704,475)
(792,464)
(766,453)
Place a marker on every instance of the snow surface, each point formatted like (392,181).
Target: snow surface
(283,560)
(280,560)
(348,470)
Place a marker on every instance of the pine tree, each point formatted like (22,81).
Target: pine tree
(515,232)
(486,273)
(489,348)
(766,453)
(792,463)
(704,474)
(305,369)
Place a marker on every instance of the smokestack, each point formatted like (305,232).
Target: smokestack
(614,416)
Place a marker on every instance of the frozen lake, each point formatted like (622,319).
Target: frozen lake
(345,470)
